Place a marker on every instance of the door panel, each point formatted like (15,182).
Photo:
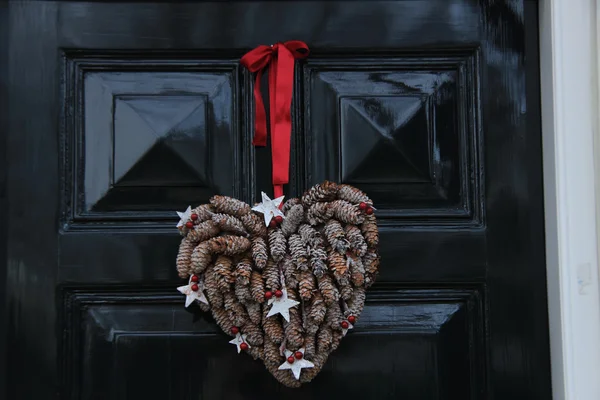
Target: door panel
(123,113)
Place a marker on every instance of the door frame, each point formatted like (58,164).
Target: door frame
(569,81)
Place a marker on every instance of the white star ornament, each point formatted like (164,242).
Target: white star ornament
(184,216)
(281,305)
(191,295)
(238,340)
(345,330)
(269,208)
(297,365)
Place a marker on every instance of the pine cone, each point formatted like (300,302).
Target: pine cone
(306,285)
(346,291)
(337,337)
(335,236)
(319,213)
(204,212)
(346,212)
(318,257)
(238,314)
(356,240)
(293,219)
(228,223)
(243,270)
(259,252)
(357,302)
(271,276)
(324,339)
(317,310)
(203,231)
(243,293)
(277,244)
(254,334)
(309,374)
(254,311)
(228,205)
(353,195)
(357,271)
(272,326)
(213,294)
(229,245)
(310,346)
(184,258)
(256,352)
(370,231)
(298,252)
(325,191)
(308,234)
(328,289)
(257,287)
(293,329)
(285,377)
(289,272)
(224,273)
(223,320)
(371,263)
(272,355)
(289,204)
(334,316)
(201,257)
(338,266)
(254,224)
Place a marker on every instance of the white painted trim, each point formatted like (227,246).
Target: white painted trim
(569,121)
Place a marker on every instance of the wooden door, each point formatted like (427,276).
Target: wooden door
(122,113)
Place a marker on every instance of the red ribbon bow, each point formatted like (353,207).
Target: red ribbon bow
(280,59)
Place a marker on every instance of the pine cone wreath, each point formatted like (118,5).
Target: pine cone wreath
(286,287)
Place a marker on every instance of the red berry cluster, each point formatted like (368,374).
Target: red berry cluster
(351,320)
(194,286)
(269,294)
(366,208)
(190,224)
(276,221)
(297,356)
(235,330)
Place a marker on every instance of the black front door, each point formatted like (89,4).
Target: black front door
(121,114)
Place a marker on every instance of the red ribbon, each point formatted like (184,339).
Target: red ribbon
(280,59)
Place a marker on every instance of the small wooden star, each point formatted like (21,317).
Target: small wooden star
(345,330)
(297,365)
(184,216)
(281,305)
(192,295)
(269,208)
(238,340)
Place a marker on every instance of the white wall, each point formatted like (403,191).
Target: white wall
(569,70)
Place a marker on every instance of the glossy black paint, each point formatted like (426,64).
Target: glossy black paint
(122,113)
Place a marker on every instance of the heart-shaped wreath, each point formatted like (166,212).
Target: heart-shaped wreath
(287,282)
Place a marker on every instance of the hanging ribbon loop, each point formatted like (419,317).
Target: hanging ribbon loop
(279,58)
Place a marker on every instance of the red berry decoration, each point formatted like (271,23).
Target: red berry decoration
(345,325)
(244,346)
(195,287)
(369,211)
(352,319)
(195,278)
(363,206)
(235,330)
(279,219)
(273,223)
(291,359)
(189,224)
(194,217)
(298,355)
(268,295)
(278,293)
